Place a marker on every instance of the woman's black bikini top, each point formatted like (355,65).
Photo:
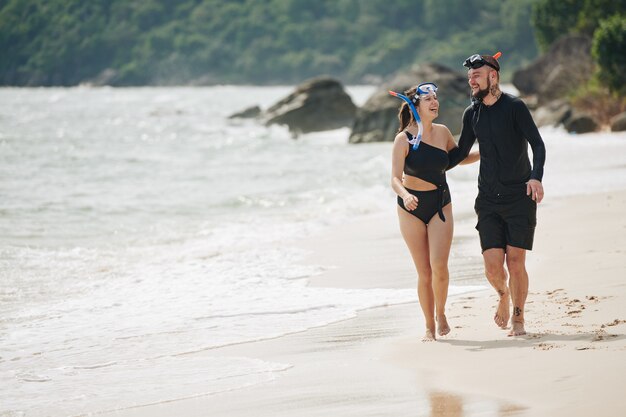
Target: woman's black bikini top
(427,162)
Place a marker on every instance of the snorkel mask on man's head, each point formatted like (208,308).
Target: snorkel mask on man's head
(478,61)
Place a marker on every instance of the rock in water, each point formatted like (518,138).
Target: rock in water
(581,123)
(377,120)
(248,113)
(317,104)
(554,113)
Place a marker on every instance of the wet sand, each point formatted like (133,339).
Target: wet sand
(571,363)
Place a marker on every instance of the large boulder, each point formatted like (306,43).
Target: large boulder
(566,66)
(618,123)
(377,120)
(580,122)
(554,113)
(317,104)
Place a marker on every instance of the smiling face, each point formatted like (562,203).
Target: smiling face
(428,107)
(480,81)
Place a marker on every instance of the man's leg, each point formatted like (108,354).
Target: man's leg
(496,274)
(516,264)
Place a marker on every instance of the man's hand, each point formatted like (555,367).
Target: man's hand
(534,189)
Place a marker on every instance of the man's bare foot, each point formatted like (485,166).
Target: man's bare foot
(502,312)
(442,325)
(517,328)
(429,336)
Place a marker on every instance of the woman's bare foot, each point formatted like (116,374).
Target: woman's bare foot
(502,312)
(442,325)
(429,336)
(517,328)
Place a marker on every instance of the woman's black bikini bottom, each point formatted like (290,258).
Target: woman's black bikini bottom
(429,203)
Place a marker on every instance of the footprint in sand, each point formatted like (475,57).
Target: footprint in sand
(554,291)
(613,323)
(546,346)
(601,335)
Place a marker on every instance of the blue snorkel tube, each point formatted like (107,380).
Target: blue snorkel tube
(415,115)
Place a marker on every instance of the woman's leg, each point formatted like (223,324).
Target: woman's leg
(414,233)
(439,242)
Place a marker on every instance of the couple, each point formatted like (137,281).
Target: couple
(508,190)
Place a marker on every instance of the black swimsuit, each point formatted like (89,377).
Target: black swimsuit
(428,163)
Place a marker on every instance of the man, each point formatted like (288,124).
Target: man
(508,188)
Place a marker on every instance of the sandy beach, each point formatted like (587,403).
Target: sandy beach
(570,364)
(199,208)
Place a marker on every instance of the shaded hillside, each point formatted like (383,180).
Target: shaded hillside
(65,42)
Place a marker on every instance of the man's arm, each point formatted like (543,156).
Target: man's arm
(467,139)
(529,130)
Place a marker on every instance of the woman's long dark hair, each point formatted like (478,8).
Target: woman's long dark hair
(404,115)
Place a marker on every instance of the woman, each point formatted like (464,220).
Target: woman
(424,204)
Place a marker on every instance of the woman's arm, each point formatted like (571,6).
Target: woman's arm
(399,152)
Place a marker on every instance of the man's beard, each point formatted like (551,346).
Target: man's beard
(481,94)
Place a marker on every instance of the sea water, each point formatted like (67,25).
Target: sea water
(140,225)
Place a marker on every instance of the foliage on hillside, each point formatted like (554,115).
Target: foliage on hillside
(64,42)
(605,22)
(555,18)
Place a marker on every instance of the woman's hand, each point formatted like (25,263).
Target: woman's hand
(410,202)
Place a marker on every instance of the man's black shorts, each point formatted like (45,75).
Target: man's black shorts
(506,222)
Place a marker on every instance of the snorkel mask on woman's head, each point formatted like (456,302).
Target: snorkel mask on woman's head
(424,89)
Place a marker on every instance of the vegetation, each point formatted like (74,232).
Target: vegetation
(609,51)
(65,42)
(595,99)
(555,18)
(604,21)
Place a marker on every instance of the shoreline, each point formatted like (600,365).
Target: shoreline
(376,364)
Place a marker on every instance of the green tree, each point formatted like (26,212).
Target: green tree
(609,44)
(554,18)
(594,11)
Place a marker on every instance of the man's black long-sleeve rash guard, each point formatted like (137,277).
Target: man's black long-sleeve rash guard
(504,131)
